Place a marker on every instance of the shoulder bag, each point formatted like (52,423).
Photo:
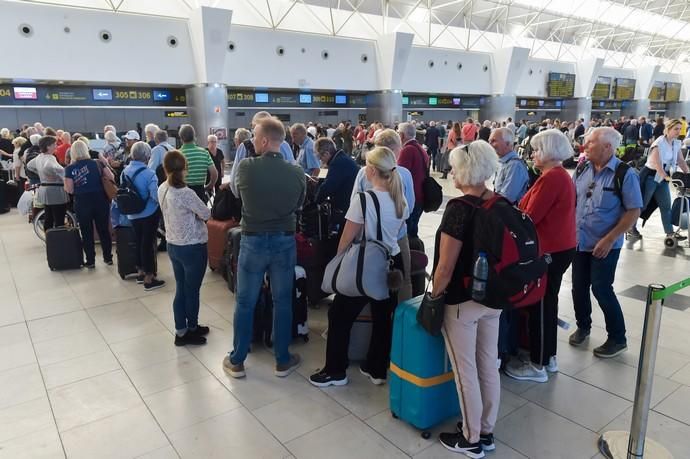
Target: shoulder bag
(431,311)
(433,193)
(362,269)
(109,185)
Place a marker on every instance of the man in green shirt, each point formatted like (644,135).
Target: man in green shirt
(199,163)
(272,190)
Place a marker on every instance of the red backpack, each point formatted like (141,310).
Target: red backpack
(517,265)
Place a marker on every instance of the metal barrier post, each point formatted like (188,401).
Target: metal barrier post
(633,445)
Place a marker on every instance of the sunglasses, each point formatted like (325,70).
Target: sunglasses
(590,190)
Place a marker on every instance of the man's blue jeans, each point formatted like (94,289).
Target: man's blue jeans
(261,253)
(597,273)
(189,266)
(413,221)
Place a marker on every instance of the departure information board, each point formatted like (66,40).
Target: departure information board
(672,92)
(248,98)
(561,85)
(441,101)
(89,96)
(658,91)
(624,89)
(602,88)
(532,104)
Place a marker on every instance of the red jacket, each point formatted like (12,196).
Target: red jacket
(416,160)
(550,203)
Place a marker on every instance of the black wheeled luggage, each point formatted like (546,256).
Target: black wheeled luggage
(126,251)
(231,257)
(64,249)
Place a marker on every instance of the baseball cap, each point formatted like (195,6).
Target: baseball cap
(132,135)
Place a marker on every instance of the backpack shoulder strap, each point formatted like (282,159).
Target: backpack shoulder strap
(619,178)
(377,206)
(363,203)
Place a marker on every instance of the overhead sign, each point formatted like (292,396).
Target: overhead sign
(248,98)
(602,88)
(89,96)
(658,91)
(561,84)
(411,101)
(624,89)
(672,92)
(102,94)
(22,93)
(176,114)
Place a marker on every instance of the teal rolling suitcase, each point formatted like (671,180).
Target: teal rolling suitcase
(422,386)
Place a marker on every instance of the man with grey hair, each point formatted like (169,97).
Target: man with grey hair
(512,177)
(608,204)
(199,163)
(342,171)
(416,160)
(246,150)
(30,153)
(306,158)
(432,141)
(158,152)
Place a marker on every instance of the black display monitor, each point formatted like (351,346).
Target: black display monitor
(602,88)
(561,85)
(624,89)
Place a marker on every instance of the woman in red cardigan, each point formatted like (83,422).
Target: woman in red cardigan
(551,205)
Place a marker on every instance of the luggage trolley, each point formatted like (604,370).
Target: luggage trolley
(681,209)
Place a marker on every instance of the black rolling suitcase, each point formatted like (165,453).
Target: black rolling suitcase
(126,251)
(4,205)
(263,316)
(64,249)
(231,257)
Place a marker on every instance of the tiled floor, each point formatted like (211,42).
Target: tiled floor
(88,369)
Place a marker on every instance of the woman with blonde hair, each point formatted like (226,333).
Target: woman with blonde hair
(92,206)
(665,156)
(387,192)
(470,329)
(185,223)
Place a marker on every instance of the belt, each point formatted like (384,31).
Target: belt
(268,233)
(52,184)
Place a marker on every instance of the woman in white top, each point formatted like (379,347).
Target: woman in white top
(664,157)
(185,230)
(386,185)
(51,192)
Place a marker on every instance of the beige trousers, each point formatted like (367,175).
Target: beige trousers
(471,333)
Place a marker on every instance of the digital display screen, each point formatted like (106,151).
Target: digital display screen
(456,101)
(261,97)
(433,101)
(602,88)
(672,92)
(561,84)
(624,89)
(102,94)
(658,91)
(161,96)
(559,103)
(405,100)
(305,98)
(340,100)
(25,93)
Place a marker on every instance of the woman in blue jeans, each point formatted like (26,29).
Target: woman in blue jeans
(185,221)
(665,156)
(83,180)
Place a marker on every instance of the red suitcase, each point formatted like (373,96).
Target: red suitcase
(217,238)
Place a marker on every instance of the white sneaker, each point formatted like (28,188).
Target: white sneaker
(526,372)
(552,367)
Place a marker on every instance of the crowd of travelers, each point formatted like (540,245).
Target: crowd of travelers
(580,220)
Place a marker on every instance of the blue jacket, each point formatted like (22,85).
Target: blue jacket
(146,184)
(342,171)
(646,131)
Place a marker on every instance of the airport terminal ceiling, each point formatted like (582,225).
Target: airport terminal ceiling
(625,33)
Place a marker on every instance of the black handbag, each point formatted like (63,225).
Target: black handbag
(431,311)
(433,192)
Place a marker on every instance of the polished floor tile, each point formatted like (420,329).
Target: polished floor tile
(20,385)
(78,368)
(41,444)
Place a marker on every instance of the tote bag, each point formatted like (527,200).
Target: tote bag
(362,269)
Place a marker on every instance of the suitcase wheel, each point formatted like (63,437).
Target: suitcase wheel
(426,435)
(395,416)
(122,276)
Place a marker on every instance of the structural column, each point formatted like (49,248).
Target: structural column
(386,107)
(575,109)
(498,108)
(393,52)
(208,110)
(635,108)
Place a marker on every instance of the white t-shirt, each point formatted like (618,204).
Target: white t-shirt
(390,223)
(668,154)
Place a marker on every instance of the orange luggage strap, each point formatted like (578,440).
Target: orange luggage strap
(421,382)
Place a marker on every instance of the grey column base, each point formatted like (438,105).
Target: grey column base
(614,445)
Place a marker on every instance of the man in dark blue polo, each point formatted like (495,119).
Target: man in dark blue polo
(342,171)
(604,212)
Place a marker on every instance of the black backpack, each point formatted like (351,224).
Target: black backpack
(226,206)
(128,199)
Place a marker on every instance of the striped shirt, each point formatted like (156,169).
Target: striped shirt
(198,162)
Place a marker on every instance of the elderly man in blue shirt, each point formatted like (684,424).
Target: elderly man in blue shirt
(512,178)
(241,153)
(306,158)
(605,211)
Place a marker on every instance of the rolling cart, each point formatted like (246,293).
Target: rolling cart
(680,211)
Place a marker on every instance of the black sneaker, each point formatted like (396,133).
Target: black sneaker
(457,443)
(90,265)
(323,379)
(578,337)
(200,330)
(108,262)
(153,285)
(486,440)
(140,279)
(189,338)
(610,349)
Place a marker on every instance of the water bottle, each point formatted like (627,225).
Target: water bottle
(480,275)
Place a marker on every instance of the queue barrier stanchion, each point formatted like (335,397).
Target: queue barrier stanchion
(633,444)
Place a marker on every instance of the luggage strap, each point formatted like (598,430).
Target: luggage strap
(418,381)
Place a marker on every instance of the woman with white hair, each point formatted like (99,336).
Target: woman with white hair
(83,181)
(145,223)
(550,203)
(6,148)
(150,131)
(113,152)
(470,329)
